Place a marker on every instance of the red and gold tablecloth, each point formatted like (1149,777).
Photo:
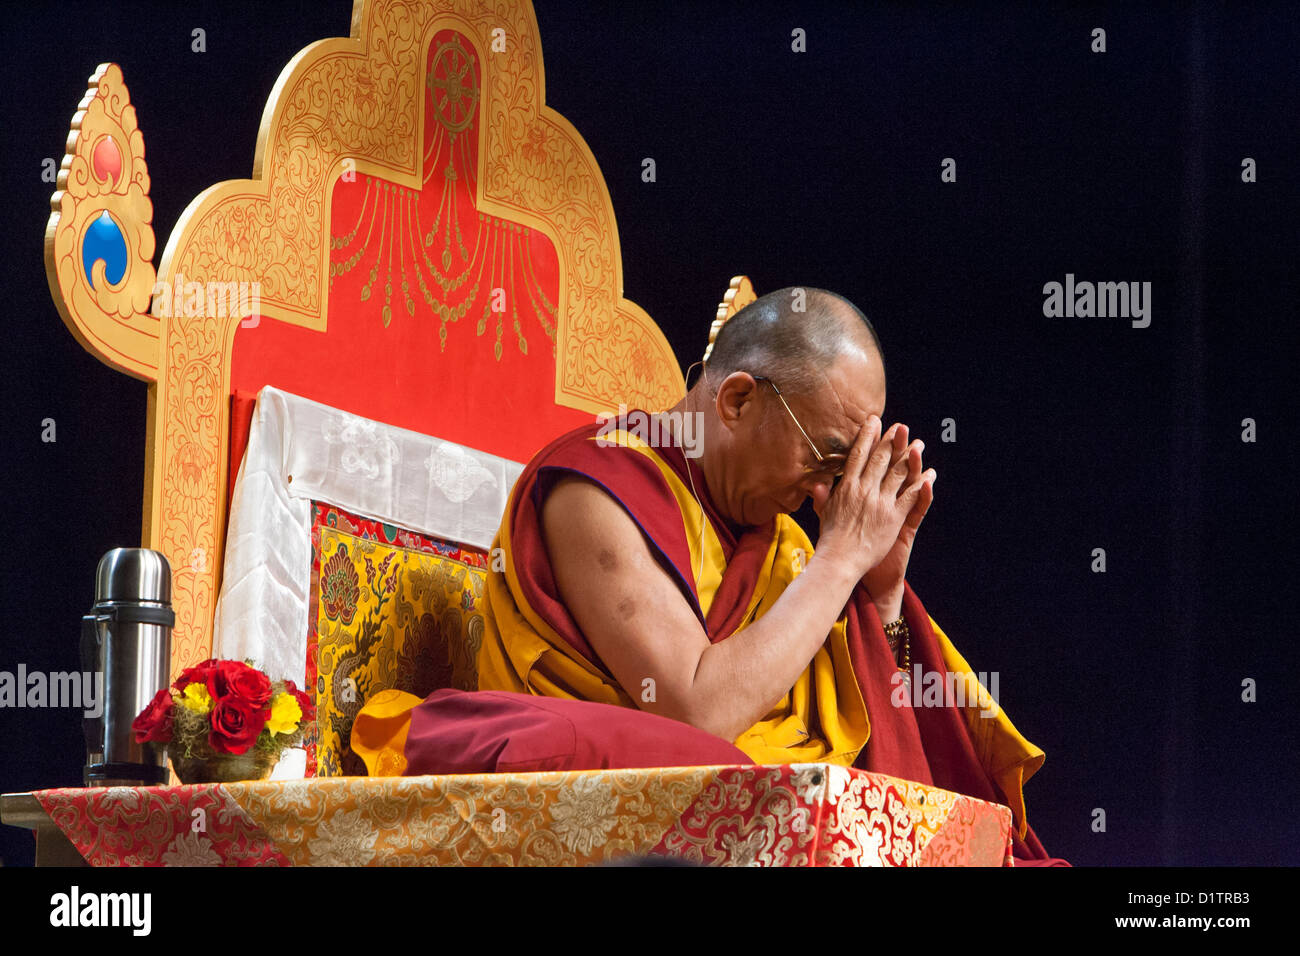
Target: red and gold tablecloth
(793,815)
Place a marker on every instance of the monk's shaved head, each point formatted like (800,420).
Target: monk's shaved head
(769,337)
(767,449)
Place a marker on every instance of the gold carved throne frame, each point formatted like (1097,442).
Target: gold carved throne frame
(352,106)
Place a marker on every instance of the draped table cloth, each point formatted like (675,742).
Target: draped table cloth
(790,815)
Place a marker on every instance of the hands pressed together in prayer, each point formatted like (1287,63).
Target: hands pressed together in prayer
(869,520)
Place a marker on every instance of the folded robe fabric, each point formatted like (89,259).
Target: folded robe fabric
(455,731)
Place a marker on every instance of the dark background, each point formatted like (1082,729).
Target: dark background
(823,169)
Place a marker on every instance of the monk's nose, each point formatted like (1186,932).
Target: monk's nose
(820,490)
(819,484)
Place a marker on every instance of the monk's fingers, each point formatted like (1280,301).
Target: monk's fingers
(900,442)
(879,461)
(914,462)
(911,458)
(899,448)
(907,533)
(866,440)
(904,469)
(919,495)
(924,498)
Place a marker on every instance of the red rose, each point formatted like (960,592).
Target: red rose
(239,682)
(235,726)
(198,673)
(155,721)
(303,699)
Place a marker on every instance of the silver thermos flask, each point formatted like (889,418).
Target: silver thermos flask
(127,636)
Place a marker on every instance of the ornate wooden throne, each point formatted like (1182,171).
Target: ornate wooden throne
(349,355)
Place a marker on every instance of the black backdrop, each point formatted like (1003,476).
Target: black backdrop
(823,168)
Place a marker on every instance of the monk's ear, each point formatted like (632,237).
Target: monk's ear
(737,397)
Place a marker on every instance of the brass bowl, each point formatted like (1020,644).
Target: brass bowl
(223,768)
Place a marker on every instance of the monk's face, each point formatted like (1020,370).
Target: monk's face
(767,466)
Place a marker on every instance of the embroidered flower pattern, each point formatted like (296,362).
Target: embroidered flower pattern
(191,849)
(345,839)
(422,665)
(340,587)
(584,813)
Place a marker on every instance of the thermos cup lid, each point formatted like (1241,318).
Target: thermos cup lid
(133,574)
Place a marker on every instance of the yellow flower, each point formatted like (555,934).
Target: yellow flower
(285,714)
(195,697)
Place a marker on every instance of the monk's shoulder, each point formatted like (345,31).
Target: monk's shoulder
(576,510)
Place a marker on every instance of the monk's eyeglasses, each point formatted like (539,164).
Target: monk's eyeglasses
(820,460)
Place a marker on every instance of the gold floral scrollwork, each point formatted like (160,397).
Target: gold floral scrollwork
(99,243)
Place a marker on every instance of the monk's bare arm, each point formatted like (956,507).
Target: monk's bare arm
(641,625)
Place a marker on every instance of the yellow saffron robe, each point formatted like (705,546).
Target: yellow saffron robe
(531,645)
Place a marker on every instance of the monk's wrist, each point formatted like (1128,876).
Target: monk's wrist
(889,606)
(842,572)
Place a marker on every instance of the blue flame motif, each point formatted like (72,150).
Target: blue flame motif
(104,240)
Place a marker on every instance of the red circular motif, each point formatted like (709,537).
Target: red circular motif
(106,161)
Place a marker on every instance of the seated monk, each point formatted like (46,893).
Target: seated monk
(652,563)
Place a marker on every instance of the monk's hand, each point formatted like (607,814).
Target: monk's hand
(862,520)
(884,582)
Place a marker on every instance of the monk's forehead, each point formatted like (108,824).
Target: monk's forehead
(854,390)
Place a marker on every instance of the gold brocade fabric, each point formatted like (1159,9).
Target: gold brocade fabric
(388,616)
(799,815)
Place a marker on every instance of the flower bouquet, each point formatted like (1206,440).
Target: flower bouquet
(223,721)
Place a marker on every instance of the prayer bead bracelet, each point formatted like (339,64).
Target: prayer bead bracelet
(893,631)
